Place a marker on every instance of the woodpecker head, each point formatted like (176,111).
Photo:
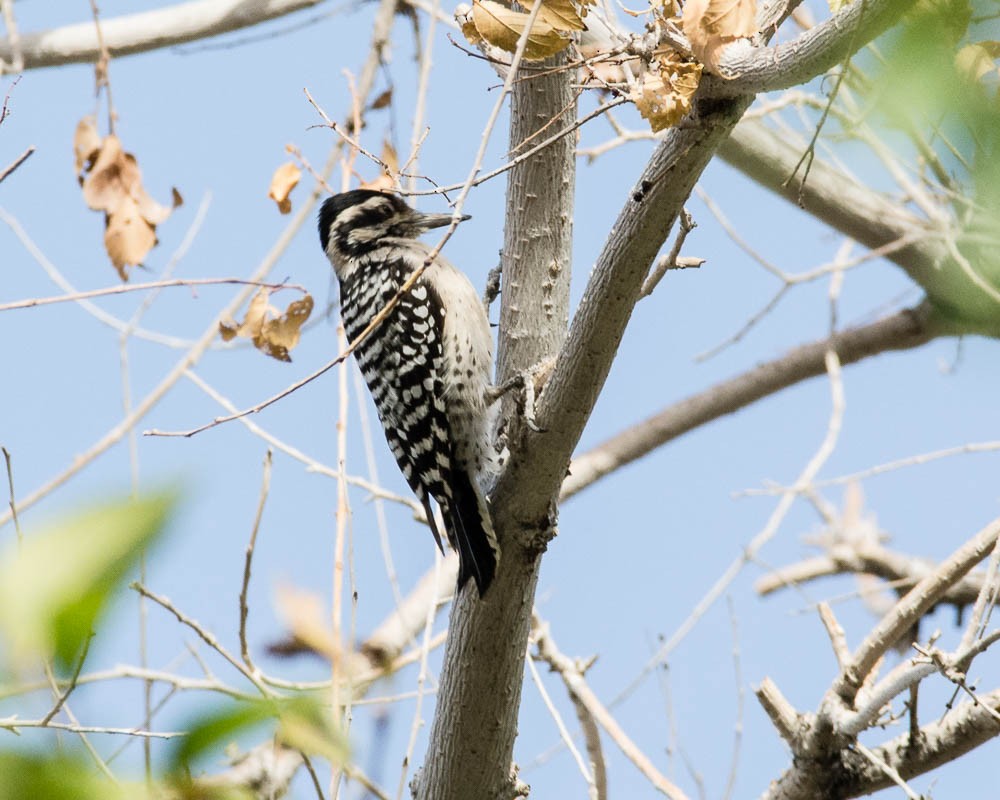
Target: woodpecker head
(355,222)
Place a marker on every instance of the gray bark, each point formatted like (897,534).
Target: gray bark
(472,737)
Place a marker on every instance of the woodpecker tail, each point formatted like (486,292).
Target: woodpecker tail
(470,530)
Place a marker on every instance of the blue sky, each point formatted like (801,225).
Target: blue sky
(634,553)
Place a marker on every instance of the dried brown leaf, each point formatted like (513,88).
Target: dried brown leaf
(663,96)
(712,25)
(562,15)
(285,178)
(113,177)
(278,336)
(382,100)
(128,236)
(154,213)
(385,182)
(270,331)
(502,27)
(389,157)
(667,9)
(86,144)
(113,184)
(307,623)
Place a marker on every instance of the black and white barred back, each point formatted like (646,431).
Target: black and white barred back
(427,365)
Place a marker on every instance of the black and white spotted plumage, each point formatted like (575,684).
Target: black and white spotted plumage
(427,365)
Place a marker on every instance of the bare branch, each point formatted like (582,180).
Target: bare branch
(148,30)
(782,714)
(142,287)
(573,678)
(611,294)
(911,608)
(14,724)
(265,488)
(838,640)
(9,169)
(808,55)
(889,771)
(901,571)
(870,218)
(904,330)
(206,635)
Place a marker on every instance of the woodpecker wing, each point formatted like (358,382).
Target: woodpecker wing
(401,362)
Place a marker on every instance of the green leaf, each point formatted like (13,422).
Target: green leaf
(37,777)
(301,722)
(54,586)
(308,727)
(217,727)
(933,88)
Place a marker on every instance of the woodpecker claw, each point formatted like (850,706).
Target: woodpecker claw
(525,383)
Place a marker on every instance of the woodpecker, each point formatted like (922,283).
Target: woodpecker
(427,365)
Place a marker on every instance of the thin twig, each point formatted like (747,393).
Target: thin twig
(740,696)
(72,683)
(805,479)
(342,518)
(575,682)
(354,144)
(137,673)
(687,224)
(142,287)
(15,723)
(95,311)
(102,67)
(206,636)
(421,685)
(11,501)
(890,466)
(564,733)
(355,773)
(602,109)
(418,131)
(892,774)
(265,487)
(9,169)
(838,640)
(377,320)
(311,770)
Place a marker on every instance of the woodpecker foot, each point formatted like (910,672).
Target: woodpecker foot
(527,384)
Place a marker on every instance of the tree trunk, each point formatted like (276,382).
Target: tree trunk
(472,738)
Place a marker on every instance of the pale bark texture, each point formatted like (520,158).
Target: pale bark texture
(147,30)
(475,723)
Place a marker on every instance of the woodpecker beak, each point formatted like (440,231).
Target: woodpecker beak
(428,221)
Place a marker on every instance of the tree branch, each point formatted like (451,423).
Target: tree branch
(870,218)
(962,730)
(904,330)
(611,294)
(846,557)
(475,723)
(910,609)
(813,52)
(148,30)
